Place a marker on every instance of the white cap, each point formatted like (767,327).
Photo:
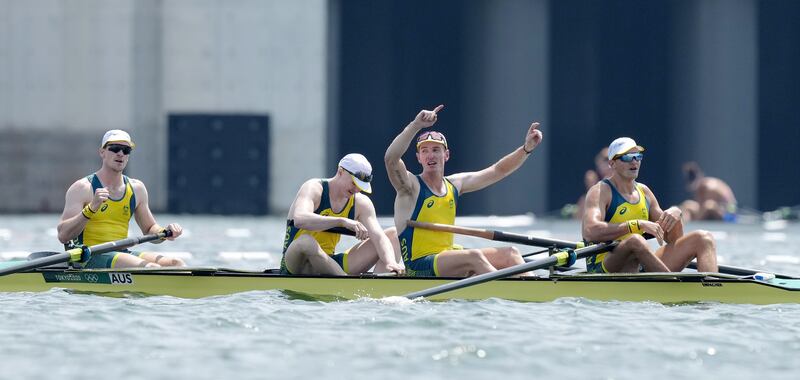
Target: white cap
(621,146)
(360,170)
(117,135)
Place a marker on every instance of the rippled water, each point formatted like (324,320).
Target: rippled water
(273,335)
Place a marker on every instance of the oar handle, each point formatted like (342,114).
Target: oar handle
(496,235)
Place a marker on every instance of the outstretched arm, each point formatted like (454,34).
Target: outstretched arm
(399,176)
(472,181)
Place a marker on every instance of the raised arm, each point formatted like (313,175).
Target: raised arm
(472,181)
(399,176)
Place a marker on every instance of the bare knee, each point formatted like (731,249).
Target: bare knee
(512,251)
(173,262)
(152,265)
(636,242)
(702,238)
(391,233)
(476,256)
(306,244)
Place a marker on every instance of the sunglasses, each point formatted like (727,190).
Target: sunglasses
(630,157)
(116,148)
(431,136)
(360,175)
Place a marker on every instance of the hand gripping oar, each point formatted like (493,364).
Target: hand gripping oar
(83,253)
(497,235)
(561,258)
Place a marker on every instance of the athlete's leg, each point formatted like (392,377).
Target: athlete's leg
(365,254)
(503,257)
(694,245)
(631,252)
(125,260)
(164,261)
(463,263)
(305,256)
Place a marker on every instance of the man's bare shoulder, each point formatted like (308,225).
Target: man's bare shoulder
(82,184)
(136,183)
(362,201)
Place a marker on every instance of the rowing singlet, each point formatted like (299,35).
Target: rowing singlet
(327,240)
(417,243)
(620,211)
(111,221)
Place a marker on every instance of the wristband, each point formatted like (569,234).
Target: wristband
(87,212)
(525,150)
(633,227)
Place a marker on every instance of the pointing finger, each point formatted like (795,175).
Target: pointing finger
(438,108)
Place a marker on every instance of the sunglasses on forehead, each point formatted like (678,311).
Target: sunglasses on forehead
(360,175)
(116,148)
(431,136)
(630,157)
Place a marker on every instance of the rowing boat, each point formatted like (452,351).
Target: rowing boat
(667,288)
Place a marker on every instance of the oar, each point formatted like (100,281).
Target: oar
(497,235)
(561,258)
(739,271)
(76,254)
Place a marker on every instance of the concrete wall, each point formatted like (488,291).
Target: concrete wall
(78,68)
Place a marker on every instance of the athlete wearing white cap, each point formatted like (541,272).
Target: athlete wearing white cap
(323,204)
(619,208)
(98,209)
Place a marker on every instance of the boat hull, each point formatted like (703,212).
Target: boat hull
(207,282)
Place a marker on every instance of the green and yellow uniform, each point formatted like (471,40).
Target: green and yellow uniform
(620,211)
(326,240)
(108,223)
(420,247)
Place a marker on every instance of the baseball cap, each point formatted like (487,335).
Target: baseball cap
(360,170)
(117,135)
(621,146)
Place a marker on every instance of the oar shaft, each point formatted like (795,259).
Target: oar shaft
(38,263)
(93,250)
(496,235)
(511,271)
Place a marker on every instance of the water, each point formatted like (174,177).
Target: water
(272,335)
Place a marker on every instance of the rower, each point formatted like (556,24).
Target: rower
(98,209)
(337,202)
(712,198)
(619,208)
(432,197)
